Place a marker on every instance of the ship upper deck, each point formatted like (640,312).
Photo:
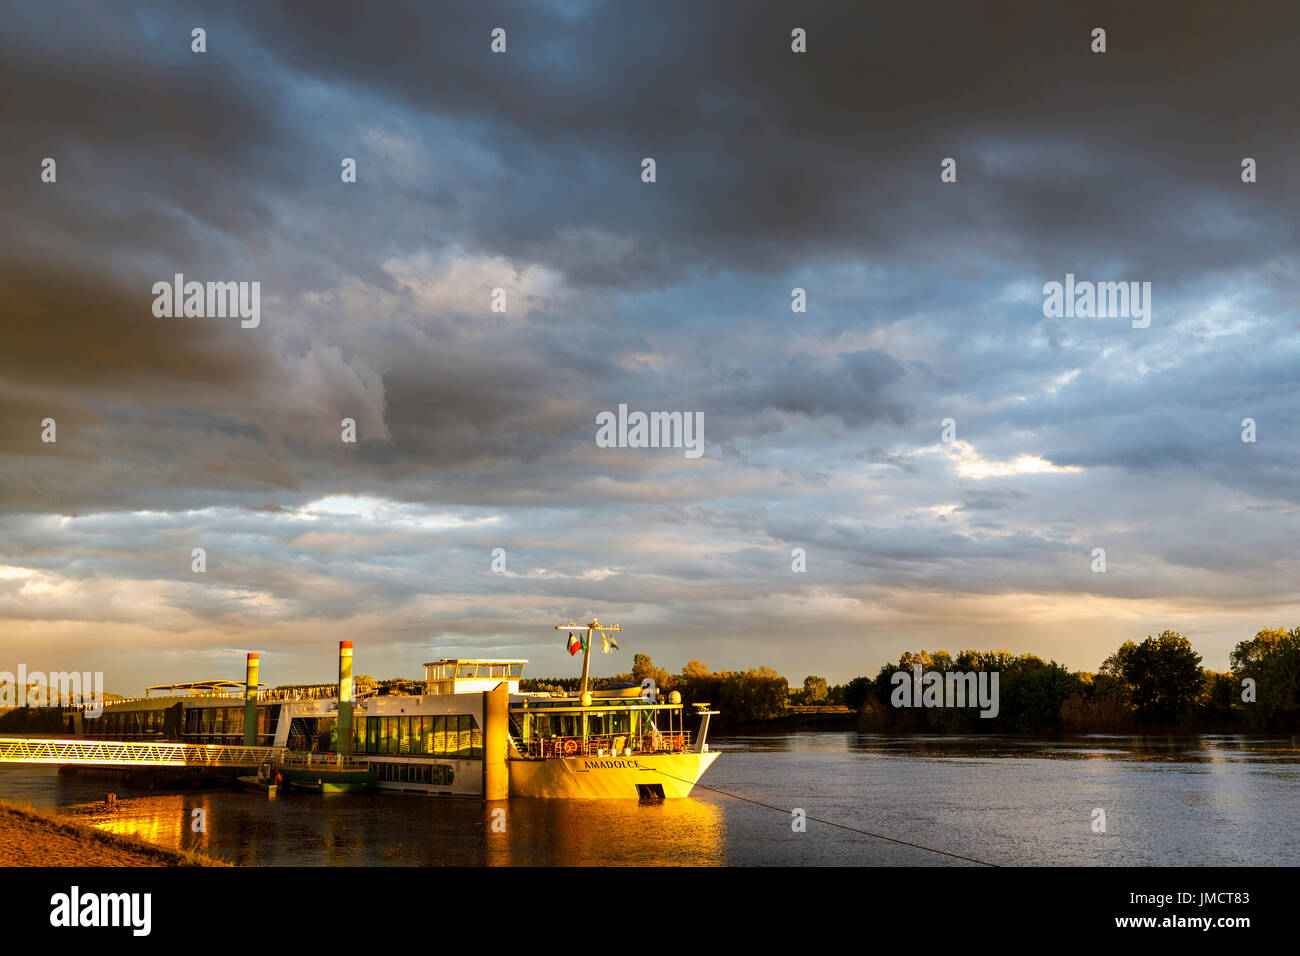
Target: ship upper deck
(460,675)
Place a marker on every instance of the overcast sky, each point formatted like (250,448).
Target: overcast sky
(522,171)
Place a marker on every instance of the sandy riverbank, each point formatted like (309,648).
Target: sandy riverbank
(35,838)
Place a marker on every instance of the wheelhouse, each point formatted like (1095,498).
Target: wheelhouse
(455,675)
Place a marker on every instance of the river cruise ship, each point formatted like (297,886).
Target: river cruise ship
(466,729)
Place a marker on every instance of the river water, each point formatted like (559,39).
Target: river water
(1211,800)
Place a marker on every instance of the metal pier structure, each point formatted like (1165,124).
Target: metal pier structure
(123,753)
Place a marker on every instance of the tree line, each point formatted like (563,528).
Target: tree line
(1155,684)
(759,693)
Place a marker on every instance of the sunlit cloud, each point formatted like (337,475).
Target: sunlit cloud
(970,464)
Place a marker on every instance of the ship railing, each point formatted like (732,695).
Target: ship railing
(309,758)
(665,742)
(305,692)
(608,745)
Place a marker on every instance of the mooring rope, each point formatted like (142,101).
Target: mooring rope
(832,823)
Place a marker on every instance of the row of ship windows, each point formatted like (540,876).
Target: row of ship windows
(433,774)
(448,735)
(198,720)
(129,722)
(228,720)
(444,735)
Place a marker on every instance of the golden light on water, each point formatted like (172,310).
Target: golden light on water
(166,820)
(624,832)
(433,830)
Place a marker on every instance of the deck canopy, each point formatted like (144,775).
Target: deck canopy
(203,688)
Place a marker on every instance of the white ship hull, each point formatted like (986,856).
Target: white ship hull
(642,775)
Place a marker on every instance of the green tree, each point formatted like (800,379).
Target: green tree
(858,692)
(695,669)
(1032,694)
(757,694)
(1103,703)
(1215,706)
(814,690)
(1163,674)
(1272,660)
(642,667)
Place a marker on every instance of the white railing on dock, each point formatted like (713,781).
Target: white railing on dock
(118,753)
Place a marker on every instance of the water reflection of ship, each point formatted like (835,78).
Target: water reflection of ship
(422,832)
(166,820)
(577,833)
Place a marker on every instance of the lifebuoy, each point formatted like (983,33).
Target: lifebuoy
(570,747)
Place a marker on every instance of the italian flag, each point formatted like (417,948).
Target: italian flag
(575,644)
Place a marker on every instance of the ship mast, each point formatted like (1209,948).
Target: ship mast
(594,626)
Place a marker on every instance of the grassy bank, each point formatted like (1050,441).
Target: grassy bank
(30,837)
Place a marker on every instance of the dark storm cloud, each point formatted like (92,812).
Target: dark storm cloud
(768,160)
(772,159)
